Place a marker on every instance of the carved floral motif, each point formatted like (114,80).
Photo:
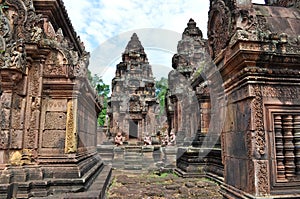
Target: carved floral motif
(219,27)
(257,108)
(280,92)
(71,130)
(262,177)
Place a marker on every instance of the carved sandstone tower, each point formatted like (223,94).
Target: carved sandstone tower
(256,49)
(133,94)
(48,110)
(182,106)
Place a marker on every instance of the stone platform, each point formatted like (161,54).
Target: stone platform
(200,162)
(59,181)
(138,157)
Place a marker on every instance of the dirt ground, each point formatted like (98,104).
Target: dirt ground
(134,185)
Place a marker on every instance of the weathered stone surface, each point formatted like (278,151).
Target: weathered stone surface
(53,139)
(242,37)
(183,108)
(132,104)
(166,186)
(55,120)
(43,68)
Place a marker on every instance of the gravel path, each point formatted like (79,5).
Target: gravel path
(126,185)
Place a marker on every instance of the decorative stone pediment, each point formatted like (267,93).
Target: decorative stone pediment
(21,25)
(219,27)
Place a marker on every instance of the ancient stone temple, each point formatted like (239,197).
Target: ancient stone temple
(189,107)
(132,110)
(256,49)
(182,106)
(48,108)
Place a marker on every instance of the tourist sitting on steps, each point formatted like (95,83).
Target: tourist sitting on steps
(147,140)
(119,139)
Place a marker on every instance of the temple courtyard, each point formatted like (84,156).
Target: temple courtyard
(155,185)
(228,125)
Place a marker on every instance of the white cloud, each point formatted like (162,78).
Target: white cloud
(98,21)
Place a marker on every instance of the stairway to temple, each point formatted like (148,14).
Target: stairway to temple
(133,158)
(203,159)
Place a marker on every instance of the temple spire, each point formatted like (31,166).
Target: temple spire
(192,30)
(134,45)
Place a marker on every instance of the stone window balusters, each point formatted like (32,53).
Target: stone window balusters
(297,142)
(288,137)
(287,145)
(279,148)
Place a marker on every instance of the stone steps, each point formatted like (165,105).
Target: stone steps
(131,157)
(96,190)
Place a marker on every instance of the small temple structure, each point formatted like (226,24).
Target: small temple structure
(183,111)
(254,50)
(133,102)
(48,109)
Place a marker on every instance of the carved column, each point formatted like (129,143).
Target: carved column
(279,148)
(297,142)
(71,127)
(33,109)
(288,146)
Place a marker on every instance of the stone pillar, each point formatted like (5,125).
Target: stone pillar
(71,127)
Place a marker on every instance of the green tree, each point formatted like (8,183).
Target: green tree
(161,87)
(103,90)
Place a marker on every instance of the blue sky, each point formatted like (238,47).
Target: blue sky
(100,23)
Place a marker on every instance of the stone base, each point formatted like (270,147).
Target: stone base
(36,181)
(230,192)
(200,162)
(184,174)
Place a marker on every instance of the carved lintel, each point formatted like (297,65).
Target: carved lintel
(71,128)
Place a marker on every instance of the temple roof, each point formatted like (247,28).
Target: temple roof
(57,13)
(280,19)
(134,45)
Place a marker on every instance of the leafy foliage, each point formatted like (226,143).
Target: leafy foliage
(103,90)
(160,92)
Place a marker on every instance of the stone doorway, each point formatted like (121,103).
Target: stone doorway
(133,129)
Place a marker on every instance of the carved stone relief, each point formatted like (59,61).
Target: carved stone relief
(257,112)
(53,139)
(261,177)
(71,129)
(55,120)
(219,27)
(16,139)
(4,139)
